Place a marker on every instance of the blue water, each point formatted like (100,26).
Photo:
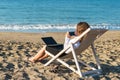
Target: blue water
(58,15)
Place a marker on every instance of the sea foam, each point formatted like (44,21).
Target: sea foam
(53,28)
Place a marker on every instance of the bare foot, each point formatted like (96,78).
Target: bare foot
(32,60)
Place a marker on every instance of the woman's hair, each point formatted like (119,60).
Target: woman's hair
(81,27)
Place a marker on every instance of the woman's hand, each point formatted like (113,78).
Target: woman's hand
(67,35)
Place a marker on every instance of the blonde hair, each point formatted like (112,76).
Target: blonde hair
(81,27)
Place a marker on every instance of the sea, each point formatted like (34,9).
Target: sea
(57,15)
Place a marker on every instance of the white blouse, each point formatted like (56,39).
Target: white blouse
(68,41)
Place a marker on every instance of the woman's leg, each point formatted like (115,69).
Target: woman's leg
(43,57)
(40,55)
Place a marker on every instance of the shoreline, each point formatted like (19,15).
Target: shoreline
(36,37)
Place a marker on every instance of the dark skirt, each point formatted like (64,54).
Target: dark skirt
(55,49)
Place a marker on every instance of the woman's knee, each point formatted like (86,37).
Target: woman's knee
(44,48)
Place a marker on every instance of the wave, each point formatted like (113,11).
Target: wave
(36,28)
(53,27)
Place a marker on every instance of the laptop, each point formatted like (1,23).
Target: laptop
(49,40)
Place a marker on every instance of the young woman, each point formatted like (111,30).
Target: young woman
(80,28)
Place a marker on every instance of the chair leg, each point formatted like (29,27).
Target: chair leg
(95,56)
(54,57)
(62,62)
(76,61)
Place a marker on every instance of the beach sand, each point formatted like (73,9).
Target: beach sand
(16,47)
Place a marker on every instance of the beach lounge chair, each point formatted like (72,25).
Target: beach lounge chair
(90,36)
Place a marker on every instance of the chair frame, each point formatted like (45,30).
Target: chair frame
(78,71)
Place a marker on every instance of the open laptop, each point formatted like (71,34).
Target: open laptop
(49,40)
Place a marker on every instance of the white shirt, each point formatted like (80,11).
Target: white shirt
(68,41)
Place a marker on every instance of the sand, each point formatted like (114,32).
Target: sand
(16,47)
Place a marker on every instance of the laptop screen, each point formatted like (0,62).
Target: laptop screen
(48,40)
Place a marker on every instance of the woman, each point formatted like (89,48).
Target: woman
(80,28)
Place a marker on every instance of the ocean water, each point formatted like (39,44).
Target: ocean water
(58,15)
